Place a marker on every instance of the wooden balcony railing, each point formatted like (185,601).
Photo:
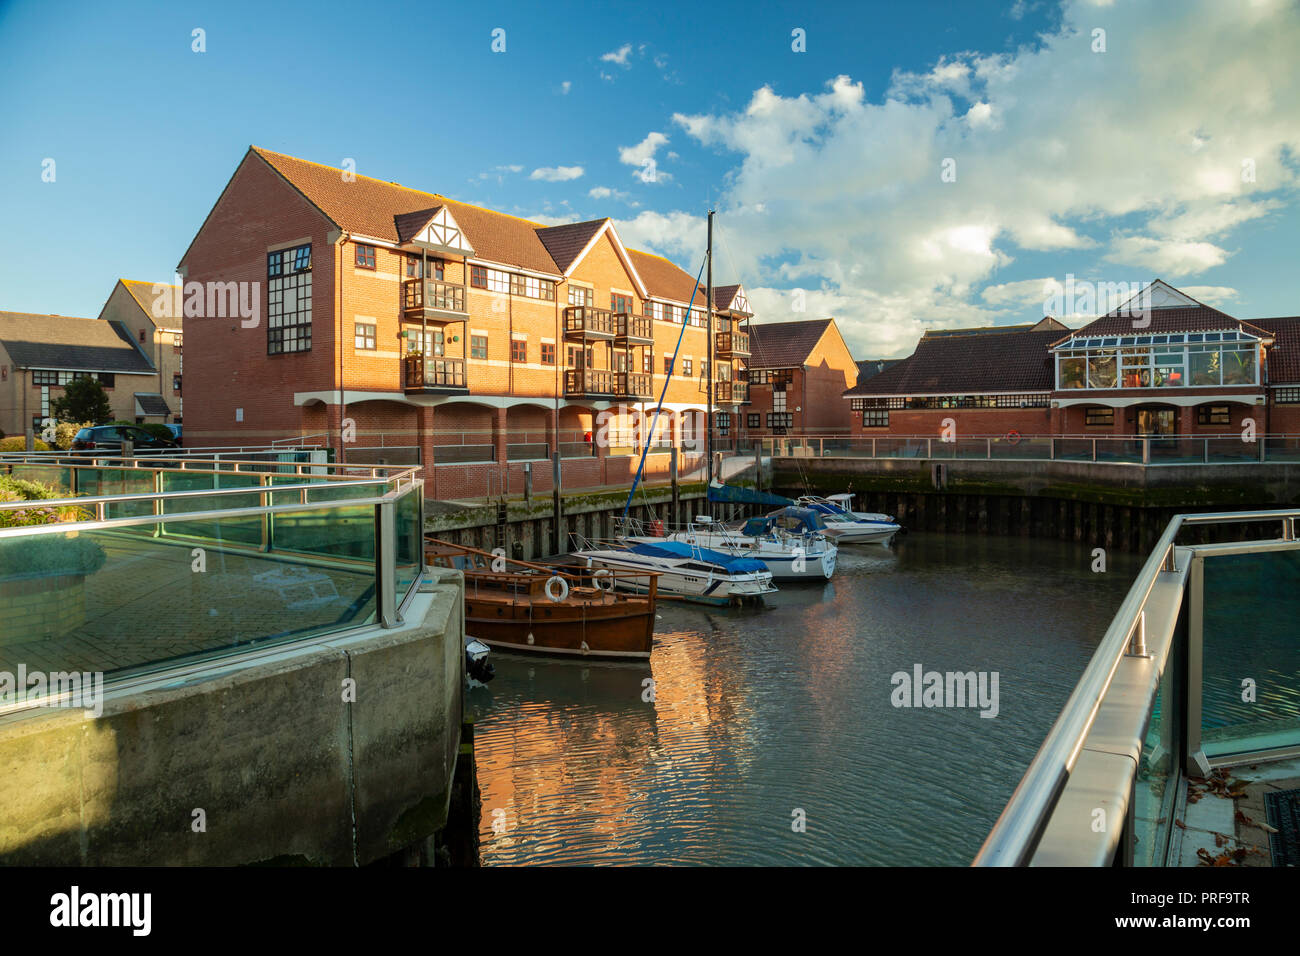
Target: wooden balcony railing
(586,322)
(635,329)
(579,382)
(730,393)
(634,385)
(432,296)
(733,343)
(434,371)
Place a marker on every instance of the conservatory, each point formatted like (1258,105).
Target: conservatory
(1169,360)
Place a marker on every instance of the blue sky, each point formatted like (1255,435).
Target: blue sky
(1114,165)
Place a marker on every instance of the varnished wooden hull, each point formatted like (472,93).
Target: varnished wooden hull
(617,631)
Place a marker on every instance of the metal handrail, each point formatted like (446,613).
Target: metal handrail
(231,465)
(87,501)
(1015,835)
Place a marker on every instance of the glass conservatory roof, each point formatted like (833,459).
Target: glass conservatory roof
(1174,338)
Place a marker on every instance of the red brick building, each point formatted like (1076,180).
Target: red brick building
(1164,365)
(798,373)
(385,315)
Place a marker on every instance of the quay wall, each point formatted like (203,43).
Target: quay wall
(259,761)
(1109,504)
(532,525)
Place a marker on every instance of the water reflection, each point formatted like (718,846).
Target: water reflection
(758,716)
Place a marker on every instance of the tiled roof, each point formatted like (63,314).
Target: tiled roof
(67,342)
(1284,356)
(370,207)
(566,242)
(383,210)
(883,382)
(1007,359)
(143,294)
(870,368)
(1194,319)
(665,280)
(722,295)
(151,403)
(408,224)
(784,344)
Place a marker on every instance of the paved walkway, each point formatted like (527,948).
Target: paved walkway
(147,604)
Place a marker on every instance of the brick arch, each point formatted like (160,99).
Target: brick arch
(383,422)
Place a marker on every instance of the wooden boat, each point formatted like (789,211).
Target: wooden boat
(539,609)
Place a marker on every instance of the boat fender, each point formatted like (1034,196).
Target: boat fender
(658,528)
(564,588)
(603,575)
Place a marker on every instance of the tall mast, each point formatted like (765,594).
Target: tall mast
(708,305)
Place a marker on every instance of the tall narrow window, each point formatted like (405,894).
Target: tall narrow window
(518,351)
(288,305)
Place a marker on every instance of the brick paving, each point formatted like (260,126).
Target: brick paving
(147,604)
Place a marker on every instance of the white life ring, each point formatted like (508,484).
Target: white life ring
(564,588)
(604,574)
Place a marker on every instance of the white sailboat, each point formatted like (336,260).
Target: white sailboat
(793,546)
(688,571)
(851,527)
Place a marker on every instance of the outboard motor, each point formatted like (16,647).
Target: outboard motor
(477,666)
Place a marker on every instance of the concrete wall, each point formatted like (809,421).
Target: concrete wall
(284,770)
(1113,505)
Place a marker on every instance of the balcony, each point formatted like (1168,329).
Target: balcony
(732,345)
(731,393)
(634,329)
(633,385)
(433,300)
(434,375)
(585,323)
(589,383)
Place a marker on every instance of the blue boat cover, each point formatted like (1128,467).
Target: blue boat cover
(679,549)
(801,520)
(733,494)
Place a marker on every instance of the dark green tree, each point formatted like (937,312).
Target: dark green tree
(83,400)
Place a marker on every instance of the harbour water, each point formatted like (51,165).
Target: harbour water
(770,736)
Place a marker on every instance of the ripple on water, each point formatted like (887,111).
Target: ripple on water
(762,716)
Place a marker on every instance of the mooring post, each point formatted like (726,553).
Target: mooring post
(556,508)
(675,517)
(528,485)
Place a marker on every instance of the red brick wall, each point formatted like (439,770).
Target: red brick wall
(229,367)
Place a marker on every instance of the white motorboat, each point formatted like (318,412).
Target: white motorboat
(844,502)
(792,544)
(687,571)
(848,527)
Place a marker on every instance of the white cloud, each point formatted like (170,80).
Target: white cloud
(619,56)
(565,87)
(557,174)
(1215,295)
(1024,292)
(642,151)
(1128,162)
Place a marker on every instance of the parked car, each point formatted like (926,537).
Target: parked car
(176,433)
(110,438)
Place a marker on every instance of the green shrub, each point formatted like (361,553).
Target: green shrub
(49,555)
(65,432)
(19,443)
(43,555)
